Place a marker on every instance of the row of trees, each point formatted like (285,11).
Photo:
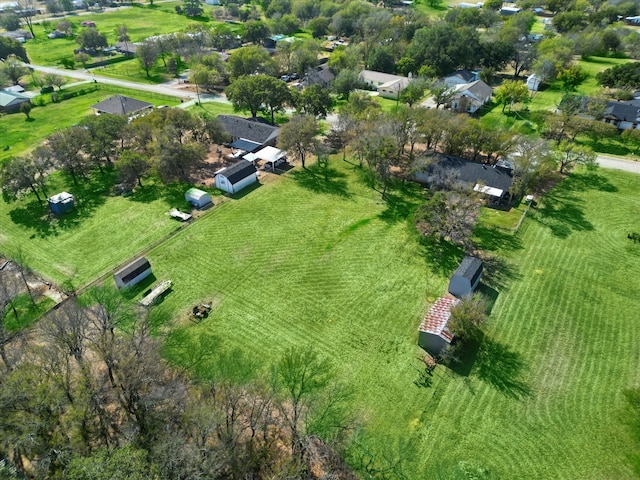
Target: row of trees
(168,142)
(86,394)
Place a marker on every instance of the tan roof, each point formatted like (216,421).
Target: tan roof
(435,322)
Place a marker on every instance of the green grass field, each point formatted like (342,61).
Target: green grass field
(322,261)
(22,135)
(142,22)
(102,232)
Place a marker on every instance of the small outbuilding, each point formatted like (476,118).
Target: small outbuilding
(61,203)
(434,334)
(198,198)
(133,273)
(236,177)
(466,277)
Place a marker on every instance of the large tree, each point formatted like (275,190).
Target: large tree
(91,39)
(449,216)
(511,92)
(13,69)
(255,91)
(132,166)
(9,47)
(298,137)
(147,53)
(249,61)
(568,155)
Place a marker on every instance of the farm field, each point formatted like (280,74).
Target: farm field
(325,263)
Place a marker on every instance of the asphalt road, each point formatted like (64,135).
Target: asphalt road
(618,164)
(91,76)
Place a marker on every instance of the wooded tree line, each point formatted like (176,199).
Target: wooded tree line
(87,394)
(167,142)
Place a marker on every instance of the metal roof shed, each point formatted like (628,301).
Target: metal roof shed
(466,277)
(133,273)
(198,198)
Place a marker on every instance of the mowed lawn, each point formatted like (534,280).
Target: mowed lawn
(21,135)
(141,21)
(328,265)
(101,233)
(545,396)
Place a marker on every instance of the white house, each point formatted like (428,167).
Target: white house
(387,85)
(470,97)
(236,177)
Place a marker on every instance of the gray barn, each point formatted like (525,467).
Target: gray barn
(133,273)
(466,277)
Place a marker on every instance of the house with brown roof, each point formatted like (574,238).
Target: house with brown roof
(434,334)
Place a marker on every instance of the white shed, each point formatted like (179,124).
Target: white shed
(198,198)
(133,273)
(534,82)
(434,334)
(236,177)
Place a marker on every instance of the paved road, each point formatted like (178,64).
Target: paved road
(89,75)
(618,163)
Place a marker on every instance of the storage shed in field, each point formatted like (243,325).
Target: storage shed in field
(236,177)
(434,334)
(466,277)
(61,203)
(198,198)
(133,273)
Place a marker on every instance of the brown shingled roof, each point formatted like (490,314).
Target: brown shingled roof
(435,322)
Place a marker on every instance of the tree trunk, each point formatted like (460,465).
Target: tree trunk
(33,189)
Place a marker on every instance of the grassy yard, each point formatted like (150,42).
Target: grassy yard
(317,259)
(22,135)
(523,119)
(102,232)
(142,22)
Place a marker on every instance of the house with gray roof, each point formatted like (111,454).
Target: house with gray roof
(250,129)
(624,115)
(121,105)
(10,101)
(492,181)
(460,77)
(469,97)
(466,277)
(236,177)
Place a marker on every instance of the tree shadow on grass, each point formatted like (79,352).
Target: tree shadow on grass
(589,180)
(172,194)
(498,273)
(320,178)
(562,214)
(496,239)
(401,200)
(443,257)
(88,195)
(502,368)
